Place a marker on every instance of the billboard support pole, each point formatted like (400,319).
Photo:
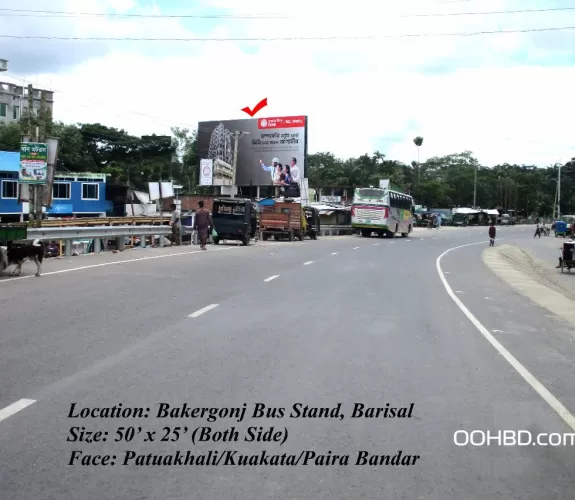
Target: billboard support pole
(237,135)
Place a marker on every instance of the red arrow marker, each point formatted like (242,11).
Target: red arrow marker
(258,107)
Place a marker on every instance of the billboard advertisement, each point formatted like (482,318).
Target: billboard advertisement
(33,163)
(257,139)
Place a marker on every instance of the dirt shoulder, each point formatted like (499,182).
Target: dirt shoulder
(534,278)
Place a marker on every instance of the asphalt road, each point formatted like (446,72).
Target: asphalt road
(346,320)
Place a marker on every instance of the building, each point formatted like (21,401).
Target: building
(10,208)
(79,194)
(14,100)
(73,194)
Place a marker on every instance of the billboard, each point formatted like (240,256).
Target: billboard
(33,163)
(283,138)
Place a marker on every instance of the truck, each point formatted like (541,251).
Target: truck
(282,219)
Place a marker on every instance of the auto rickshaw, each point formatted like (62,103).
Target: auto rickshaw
(560,228)
(234,219)
(567,257)
(312,220)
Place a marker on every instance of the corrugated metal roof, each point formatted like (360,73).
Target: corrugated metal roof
(9,162)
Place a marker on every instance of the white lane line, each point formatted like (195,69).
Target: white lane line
(92,266)
(267,280)
(15,408)
(376,244)
(203,310)
(308,263)
(551,400)
(334,253)
(355,248)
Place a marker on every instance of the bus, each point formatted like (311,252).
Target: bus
(382,211)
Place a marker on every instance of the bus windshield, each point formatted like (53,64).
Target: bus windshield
(363,194)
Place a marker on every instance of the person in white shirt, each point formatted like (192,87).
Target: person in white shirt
(272,168)
(176,224)
(294,171)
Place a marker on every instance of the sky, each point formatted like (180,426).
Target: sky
(507,97)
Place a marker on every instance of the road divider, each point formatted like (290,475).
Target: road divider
(203,310)
(15,408)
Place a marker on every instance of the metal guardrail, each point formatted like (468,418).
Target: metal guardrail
(97,233)
(80,233)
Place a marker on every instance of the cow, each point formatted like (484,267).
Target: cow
(17,253)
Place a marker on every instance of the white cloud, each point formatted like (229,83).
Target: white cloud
(382,89)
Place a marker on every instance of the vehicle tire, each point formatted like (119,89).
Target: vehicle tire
(216,241)
(366,233)
(314,236)
(300,236)
(291,235)
(264,237)
(246,241)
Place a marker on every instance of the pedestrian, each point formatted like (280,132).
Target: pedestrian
(492,232)
(203,224)
(537,231)
(439,219)
(176,224)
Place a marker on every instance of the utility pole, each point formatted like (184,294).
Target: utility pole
(32,190)
(559,191)
(41,139)
(475,188)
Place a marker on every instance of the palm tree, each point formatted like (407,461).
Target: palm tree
(418,141)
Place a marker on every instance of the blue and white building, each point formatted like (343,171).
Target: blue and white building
(73,194)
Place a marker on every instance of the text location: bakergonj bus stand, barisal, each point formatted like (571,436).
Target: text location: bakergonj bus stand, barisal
(186,435)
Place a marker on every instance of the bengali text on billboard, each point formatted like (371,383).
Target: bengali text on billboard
(284,138)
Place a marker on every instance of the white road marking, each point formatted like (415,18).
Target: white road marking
(376,244)
(15,408)
(267,280)
(92,266)
(549,398)
(497,331)
(308,263)
(392,242)
(458,291)
(355,248)
(334,253)
(203,310)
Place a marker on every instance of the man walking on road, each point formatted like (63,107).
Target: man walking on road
(438,220)
(492,232)
(202,224)
(537,231)
(176,224)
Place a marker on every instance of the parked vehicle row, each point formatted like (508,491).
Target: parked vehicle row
(238,219)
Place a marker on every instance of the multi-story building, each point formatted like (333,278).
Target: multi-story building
(14,101)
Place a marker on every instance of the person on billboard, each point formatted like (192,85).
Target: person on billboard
(295,175)
(272,168)
(278,174)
